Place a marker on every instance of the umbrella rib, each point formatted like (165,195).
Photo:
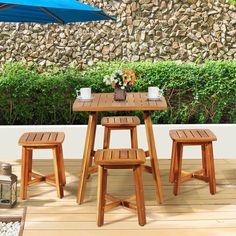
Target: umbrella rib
(52,15)
(6,6)
(104,15)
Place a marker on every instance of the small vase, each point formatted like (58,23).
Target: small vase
(119,94)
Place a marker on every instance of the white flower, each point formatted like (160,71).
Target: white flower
(107,80)
(122,87)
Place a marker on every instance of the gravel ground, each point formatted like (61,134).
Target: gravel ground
(10,228)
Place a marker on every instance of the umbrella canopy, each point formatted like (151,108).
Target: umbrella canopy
(49,11)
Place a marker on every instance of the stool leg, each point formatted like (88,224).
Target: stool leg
(173,162)
(29,154)
(101,194)
(107,136)
(204,161)
(134,137)
(24,174)
(58,175)
(139,195)
(211,168)
(178,168)
(61,165)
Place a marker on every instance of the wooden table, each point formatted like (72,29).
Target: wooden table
(105,102)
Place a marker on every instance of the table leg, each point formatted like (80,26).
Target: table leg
(153,155)
(87,155)
(91,159)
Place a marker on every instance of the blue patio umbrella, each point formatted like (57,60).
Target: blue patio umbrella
(49,11)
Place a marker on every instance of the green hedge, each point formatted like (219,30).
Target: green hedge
(196,93)
(231,2)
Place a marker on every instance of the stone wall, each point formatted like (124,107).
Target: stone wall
(186,30)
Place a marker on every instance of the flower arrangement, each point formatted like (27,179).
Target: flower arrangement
(123,79)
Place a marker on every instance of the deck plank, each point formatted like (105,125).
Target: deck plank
(193,212)
(140,232)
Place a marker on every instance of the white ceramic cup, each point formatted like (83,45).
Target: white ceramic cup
(154,92)
(85,93)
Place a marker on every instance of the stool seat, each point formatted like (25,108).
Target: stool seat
(125,157)
(41,138)
(120,159)
(120,121)
(192,135)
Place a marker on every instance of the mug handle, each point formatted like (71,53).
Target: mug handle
(161,92)
(77,92)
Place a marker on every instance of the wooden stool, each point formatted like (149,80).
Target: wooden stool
(120,159)
(42,140)
(120,123)
(191,137)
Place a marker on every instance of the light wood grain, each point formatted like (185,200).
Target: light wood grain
(139,232)
(194,212)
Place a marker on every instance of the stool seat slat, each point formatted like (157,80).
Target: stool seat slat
(30,137)
(45,137)
(119,156)
(38,137)
(116,121)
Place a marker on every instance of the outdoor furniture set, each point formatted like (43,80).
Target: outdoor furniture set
(132,158)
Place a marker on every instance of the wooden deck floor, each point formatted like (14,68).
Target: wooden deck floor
(193,212)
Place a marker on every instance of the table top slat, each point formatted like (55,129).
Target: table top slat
(96,100)
(145,102)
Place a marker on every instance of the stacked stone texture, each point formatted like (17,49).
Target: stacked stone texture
(186,30)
